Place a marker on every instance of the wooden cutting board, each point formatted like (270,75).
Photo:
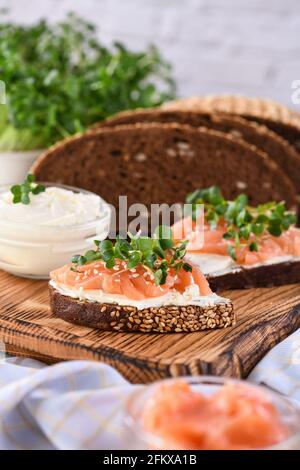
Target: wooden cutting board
(264,317)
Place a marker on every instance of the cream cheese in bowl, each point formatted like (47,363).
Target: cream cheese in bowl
(38,237)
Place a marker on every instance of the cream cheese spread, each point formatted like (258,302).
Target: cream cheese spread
(54,206)
(43,235)
(191,296)
(216,265)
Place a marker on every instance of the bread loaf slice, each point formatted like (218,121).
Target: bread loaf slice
(288,130)
(169,319)
(235,104)
(280,119)
(263,138)
(267,275)
(161,163)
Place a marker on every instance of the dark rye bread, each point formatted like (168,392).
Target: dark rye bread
(288,130)
(169,319)
(270,275)
(263,138)
(278,118)
(236,104)
(161,163)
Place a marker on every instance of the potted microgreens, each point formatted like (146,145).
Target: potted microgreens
(60,79)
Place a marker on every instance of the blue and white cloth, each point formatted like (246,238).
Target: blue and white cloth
(80,404)
(280,368)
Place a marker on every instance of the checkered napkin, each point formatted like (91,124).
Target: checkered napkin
(280,368)
(71,405)
(80,404)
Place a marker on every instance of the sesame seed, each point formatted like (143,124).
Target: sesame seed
(176,319)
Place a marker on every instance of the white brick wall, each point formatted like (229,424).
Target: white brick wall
(245,46)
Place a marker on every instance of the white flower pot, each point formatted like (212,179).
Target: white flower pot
(14,166)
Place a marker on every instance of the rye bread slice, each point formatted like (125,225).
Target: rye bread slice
(236,104)
(169,319)
(278,118)
(288,130)
(161,163)
(270,275)
(263,138)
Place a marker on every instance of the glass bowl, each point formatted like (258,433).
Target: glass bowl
(136,437)
(33,250)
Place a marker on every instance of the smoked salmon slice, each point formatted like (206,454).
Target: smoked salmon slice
(210,240)
(136,284)
(235,417)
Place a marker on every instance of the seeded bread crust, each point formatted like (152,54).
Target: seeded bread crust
(277,148)
(161,163)
(263,276)
(167,319)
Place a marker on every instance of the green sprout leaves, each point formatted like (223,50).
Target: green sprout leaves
(60,79)
(159,254)
(245,225)
(21,192)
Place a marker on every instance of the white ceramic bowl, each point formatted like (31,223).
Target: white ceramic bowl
(14,166)
(32,251)
(136,438)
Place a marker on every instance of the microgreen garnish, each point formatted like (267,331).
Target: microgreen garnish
(21,192)
(159,254)
(245,224)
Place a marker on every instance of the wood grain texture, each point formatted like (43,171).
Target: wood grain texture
(264,317)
